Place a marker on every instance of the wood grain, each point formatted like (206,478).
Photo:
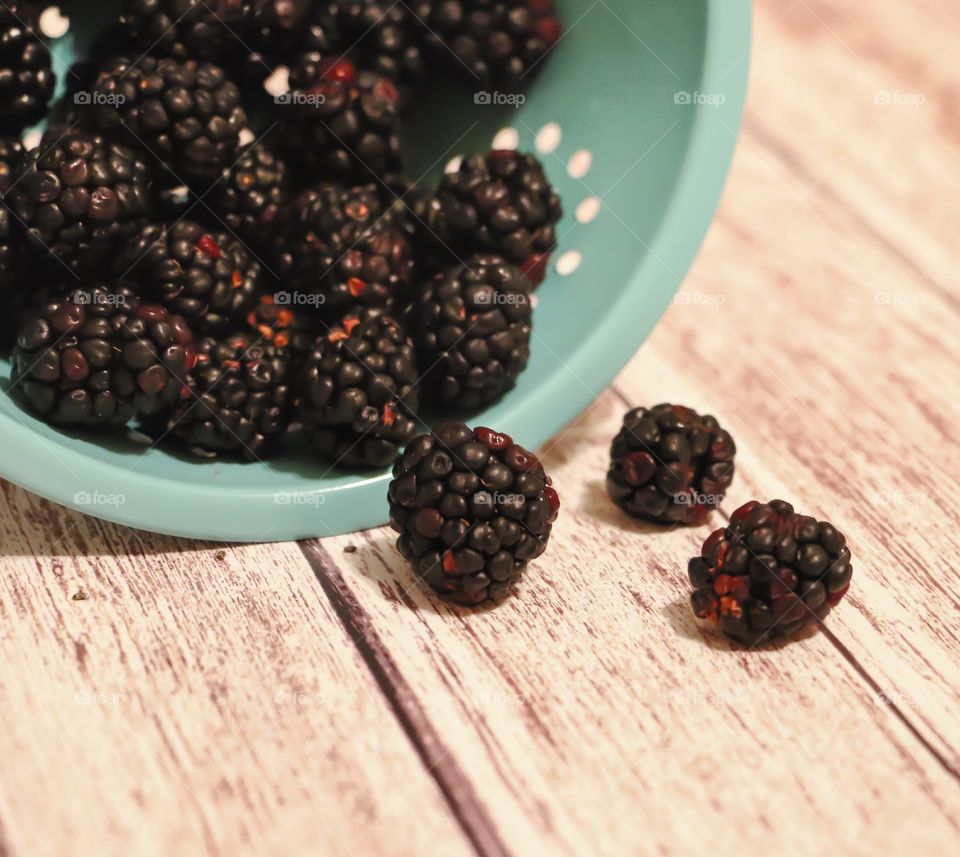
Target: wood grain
(161,696)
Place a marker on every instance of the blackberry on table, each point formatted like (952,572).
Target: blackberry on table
(240,400)
(472,509)
(209,278)
(187,29)
(668,464)
(26,78)
(492,42)
(502,203)
(358,392)
(338,126)
(186,113)
(472,327)
(251,197)
(769,573)
(96,357)
(79,196)
(340,244)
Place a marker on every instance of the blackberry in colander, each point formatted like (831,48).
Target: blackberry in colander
(769,573)
(187,29)
(26,78)
(472,509)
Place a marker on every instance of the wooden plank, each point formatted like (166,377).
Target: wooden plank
(168,697)
(593,716)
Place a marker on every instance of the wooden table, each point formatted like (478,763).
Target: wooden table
(171,697)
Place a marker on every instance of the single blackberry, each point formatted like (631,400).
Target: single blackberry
(497,42)
(26,78)
(187,29)
(386,37)
(11,243)
(472,509)
(80,196)
(337,126)
(212,280)
(252,195)
(359,394)
(341,245)
(283,325)
(769,573)
(187,114)
(96,357)
(287,28)
(240,402)
(669,464)
(502,203)
(472,328)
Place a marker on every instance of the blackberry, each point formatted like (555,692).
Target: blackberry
(11,245)
(95,357)
(240,402)
(26,78)
(769,573)
(472,509)
(472,327)
(210,279)
(340,244)
(80,196)
(187,29)
(337,126)
(188,114)
(252,195)
(386,37)
(286,28)
(358,389)
(669,464)
(502,203)
(497,42)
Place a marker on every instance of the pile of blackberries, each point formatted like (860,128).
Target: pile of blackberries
(225,180)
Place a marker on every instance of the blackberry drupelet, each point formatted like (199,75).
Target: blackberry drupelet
(241,399)
(358,389)
(386,37)
(80,196)
(96,357)
(187,29)
(472,509)
(340,244)
(472,328)
(210,279)
(26,78)
(337,126)
(769,573)
(497,42)
(187,114)
(502,203)
(669,464)
(251,197)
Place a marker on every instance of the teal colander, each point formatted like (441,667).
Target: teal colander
(635,116)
